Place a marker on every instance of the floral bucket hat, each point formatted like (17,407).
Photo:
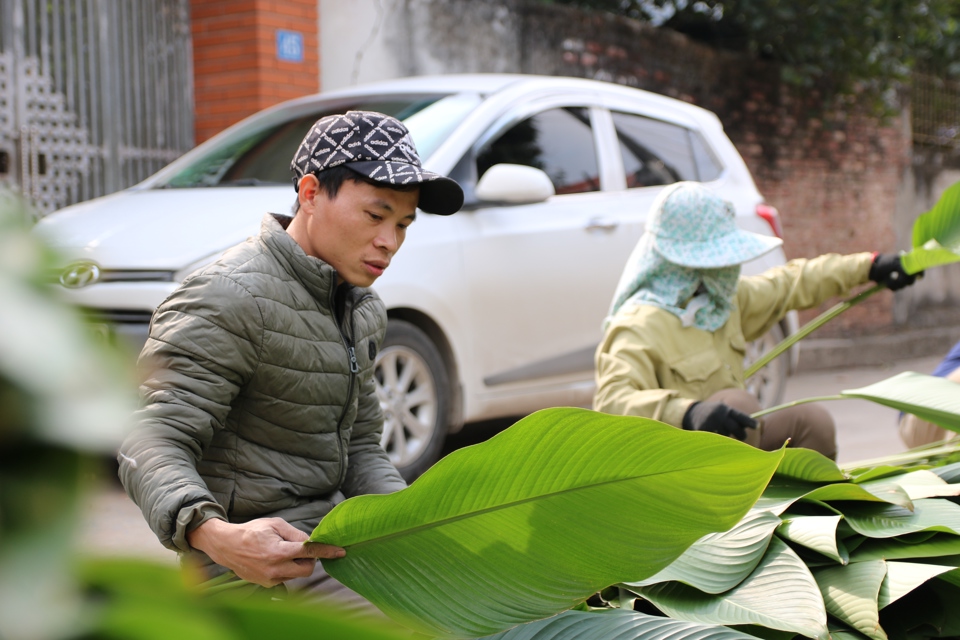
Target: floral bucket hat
(693,227)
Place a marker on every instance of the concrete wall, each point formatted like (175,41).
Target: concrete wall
(843,180)
(367,40)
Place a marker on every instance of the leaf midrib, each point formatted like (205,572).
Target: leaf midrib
(508,505)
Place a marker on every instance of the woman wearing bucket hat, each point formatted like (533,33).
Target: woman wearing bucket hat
(676,335)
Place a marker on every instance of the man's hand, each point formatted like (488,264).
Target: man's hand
(267,551)
(718,418)
(887,269)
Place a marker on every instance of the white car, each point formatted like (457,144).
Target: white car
(495,311)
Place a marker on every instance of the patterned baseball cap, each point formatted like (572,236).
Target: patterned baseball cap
(377,147)
(693,227)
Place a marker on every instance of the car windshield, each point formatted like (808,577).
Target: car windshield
(262,156)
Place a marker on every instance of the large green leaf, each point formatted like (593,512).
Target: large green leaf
(887,521)
(948,473)
(258,619)
(901,548)
(931,254)
(878,472)
(139,600)
(850,593)
(936,234)
(924,484)
(616,625)
(930,611)
(539,517)
(783,492)
(842,632)
(857,592)
(904,577)
(931,398)
(779,594)
(952,575)
(720,561)
(810,466)
(814,532)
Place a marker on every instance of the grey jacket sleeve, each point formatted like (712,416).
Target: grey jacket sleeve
(204,344)
(369,469)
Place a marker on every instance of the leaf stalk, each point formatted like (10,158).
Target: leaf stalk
(809,328)
(787,405)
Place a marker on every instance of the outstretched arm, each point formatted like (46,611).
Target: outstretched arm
(766,298)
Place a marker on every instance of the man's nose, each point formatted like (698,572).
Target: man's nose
(388,239)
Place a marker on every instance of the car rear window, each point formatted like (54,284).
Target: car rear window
(657,153)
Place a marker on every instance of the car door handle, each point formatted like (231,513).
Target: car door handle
(599,224)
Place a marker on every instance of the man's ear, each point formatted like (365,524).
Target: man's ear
(307,190)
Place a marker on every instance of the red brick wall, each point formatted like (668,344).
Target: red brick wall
(235,65)
(835,177)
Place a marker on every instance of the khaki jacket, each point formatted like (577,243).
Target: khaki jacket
(649,365)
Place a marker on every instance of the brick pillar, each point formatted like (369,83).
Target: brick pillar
(248,55)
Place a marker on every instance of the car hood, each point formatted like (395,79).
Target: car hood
(160,229)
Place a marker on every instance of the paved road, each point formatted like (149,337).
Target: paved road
(865,430)
(113,525)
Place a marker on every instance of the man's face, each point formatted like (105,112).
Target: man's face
(357,232)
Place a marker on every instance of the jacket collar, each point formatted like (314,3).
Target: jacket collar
(317,277)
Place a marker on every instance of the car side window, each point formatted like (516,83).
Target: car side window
(708,166)
(657,153)
(558,141)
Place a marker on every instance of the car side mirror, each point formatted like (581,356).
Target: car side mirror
(514,184)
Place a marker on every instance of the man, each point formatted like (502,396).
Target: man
(258,407)
(675,339)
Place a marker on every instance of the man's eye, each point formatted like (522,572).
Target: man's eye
(374,217)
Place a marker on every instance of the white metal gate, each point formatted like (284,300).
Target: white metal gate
(95,95)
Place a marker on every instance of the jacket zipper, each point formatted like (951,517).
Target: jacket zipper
(348,343)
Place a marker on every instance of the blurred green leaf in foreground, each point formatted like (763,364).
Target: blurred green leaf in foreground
(65,401)
(62,398)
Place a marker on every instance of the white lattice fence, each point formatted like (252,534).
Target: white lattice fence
(95,95)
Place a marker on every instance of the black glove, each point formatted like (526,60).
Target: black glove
(718,418)
(887,270)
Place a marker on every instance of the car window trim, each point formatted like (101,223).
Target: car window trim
(518,113)
(612,174)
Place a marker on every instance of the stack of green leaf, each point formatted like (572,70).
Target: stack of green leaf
(521,536)
(874,553)
(823,554)
(869,552)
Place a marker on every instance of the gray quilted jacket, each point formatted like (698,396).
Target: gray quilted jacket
(256,402)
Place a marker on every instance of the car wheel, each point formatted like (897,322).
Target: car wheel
(770,383)
(414,391)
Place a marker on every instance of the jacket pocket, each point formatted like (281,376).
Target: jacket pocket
(696,368)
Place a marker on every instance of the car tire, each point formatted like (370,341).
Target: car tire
(414,391)
(770,383)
